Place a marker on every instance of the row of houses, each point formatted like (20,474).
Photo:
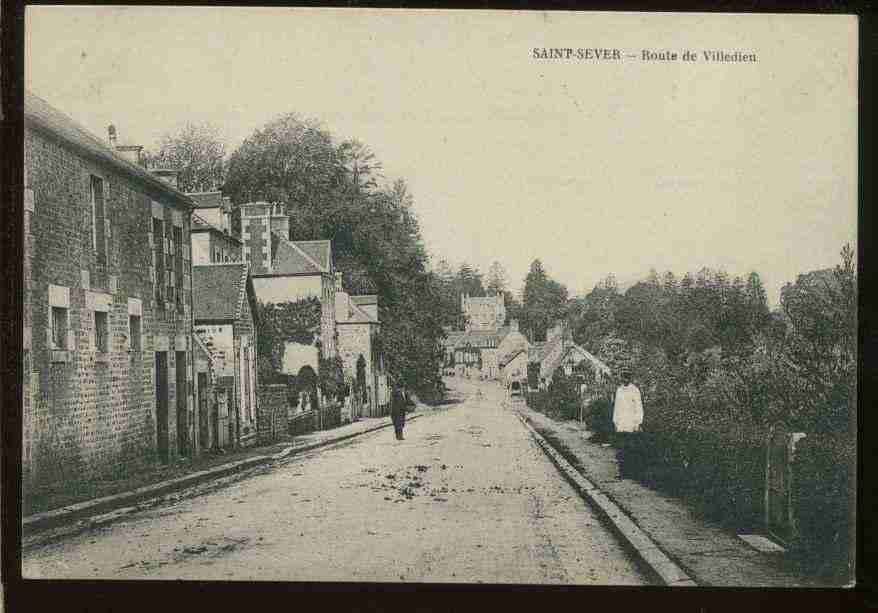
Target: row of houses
(488,350)
(140,309)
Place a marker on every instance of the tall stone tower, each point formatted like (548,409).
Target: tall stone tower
(258,221)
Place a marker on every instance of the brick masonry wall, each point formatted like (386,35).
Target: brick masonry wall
(272,413)
(93,414)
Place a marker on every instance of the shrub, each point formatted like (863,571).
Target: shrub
(721,474)
(823,503)
(599,418)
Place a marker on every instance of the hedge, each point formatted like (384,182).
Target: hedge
(823,498)
(723,476)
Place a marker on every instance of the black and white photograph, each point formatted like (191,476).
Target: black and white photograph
(394,296)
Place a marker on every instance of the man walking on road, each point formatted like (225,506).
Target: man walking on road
(627,418)
(397,409)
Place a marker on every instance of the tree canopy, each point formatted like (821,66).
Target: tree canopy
(198,152)
(334,189)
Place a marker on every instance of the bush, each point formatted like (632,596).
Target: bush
(599,418)
(823,502)
(721,475)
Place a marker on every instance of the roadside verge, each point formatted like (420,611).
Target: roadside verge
(632,535)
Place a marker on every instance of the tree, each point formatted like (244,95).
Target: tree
(544,301)
(496,279)
(198,152)
(334,190)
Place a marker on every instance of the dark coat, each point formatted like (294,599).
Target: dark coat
(397,406)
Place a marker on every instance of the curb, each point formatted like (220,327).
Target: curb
(33,524)
(646,549)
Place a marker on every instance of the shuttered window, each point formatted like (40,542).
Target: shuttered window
(158,233)
(99,238)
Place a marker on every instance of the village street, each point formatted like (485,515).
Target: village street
(466,497)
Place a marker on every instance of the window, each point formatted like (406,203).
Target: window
(158,237)
(178,266)
(59,328)
(169,272)
(98,234)
(102,332)
(134,331)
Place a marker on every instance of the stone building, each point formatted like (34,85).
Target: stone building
(225,319)
(483,312)
(482,352)
(211,399)
(358,326)
(288,271)
(212,238)
(107,307)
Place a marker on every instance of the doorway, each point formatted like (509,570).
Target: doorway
(204,430)
(182,406)
(161,404)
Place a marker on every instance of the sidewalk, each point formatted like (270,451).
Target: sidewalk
(165,480)
(707,552)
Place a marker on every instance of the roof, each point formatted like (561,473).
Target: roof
(503,362)
(289,258)
(354,314)
(549,367)
(536,351)
(219,290)
(319,251)
(365,299)
(207,200)
(200,225)
(41,115)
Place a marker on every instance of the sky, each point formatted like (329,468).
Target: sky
(592,166)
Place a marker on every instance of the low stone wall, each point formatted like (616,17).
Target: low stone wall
(271,412)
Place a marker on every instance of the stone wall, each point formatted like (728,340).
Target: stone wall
(90,413)
(271,413)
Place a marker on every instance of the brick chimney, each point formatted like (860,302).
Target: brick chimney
(280,222)
(111,135)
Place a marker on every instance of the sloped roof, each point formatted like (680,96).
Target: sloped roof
(319,251)
(506,360)
(365,299)
(219,290)
(353,314)
(200,225)
(288,258)
(207,200)
(549,367)
(40,114)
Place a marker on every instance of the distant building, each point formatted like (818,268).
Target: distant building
(559,351)
(225,320)
(212,238)
(358,326)
(483,313)
(107,307)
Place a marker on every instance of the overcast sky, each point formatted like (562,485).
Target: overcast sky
(593,167)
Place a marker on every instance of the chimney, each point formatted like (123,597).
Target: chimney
(111,135)
(168,175)
(280,224)
(130,152)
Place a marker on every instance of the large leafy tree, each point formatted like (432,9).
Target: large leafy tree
(335,190)
(197,151)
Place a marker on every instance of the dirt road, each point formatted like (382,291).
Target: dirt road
(466,497)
